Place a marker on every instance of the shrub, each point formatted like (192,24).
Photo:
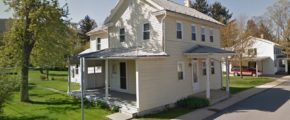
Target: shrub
(102,104)
(42,77)
(192,103)
(115,108)
(8,84)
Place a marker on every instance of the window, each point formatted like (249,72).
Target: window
(212,67)
(77,69)
(203,68)
(99,44)
(122,35)
(73,73)
(203,34)
(180,70)
(98,69)
(146,31)
(178,30)
(193,33)
(252,52)
(94,70)
(211,38)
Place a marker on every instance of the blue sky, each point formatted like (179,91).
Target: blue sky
(99,9)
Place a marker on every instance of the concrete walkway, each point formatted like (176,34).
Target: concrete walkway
(211,110)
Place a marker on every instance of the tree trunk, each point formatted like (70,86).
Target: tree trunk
(24,73)
(241,67)
(41,70)
(47,74)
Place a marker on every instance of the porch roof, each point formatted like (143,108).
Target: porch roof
(134,52)
(207,50)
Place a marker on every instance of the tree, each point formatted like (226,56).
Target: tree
(265,31)
(201,6)
(86,25)
(279,14)
(252,29)
(286,41)
(229,34)
(219,12)
(37,25)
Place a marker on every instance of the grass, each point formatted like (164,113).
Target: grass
(48,105)
(60,80)
(237,84)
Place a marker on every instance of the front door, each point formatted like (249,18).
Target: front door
(123,75)
(195,82)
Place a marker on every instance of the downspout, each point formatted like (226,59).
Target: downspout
(163,30)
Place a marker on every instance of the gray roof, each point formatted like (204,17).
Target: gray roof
(207,49)
(175,7)
(123,53)
(100,28)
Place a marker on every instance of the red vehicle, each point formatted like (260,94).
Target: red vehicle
(245,71)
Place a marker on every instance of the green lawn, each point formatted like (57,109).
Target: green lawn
(237,84)
(60,81)
(47,105)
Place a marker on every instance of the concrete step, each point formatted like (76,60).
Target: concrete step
(119,116)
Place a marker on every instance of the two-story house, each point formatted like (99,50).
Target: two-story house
(159,52)
(263,55)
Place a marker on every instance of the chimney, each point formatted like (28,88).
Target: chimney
(262,36)
(187,3)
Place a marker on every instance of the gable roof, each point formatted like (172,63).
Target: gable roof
(262,40)
(171,6)
(175,7)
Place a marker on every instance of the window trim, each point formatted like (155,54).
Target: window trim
(149,31)
(183,70)
(179,22)
(202,27)
(120,35)
(193,25)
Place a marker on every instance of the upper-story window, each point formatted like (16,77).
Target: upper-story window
(99,44)
(252,52)
(211,37)
(122,35)
(146,31)
(203,34)
(178,30)
(193,32)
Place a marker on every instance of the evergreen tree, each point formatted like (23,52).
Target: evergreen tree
(86,25)
(220,13)
(201,6)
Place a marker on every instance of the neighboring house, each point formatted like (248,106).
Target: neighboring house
(265,56)
(159,52)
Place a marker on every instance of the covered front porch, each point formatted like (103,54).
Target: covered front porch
(112,76)
(208,56)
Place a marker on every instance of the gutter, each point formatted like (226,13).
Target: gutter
(163,30)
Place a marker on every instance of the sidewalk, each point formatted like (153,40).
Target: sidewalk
(211,110)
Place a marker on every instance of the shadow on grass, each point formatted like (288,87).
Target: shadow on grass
(57,75)
(54,102)
(24,118)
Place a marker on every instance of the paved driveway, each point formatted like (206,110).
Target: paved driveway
(273,104)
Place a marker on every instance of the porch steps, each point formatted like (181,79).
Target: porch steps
(119,116)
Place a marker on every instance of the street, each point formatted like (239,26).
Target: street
(273,104)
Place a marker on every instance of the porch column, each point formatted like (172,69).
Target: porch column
(137,85)
(207,78)
(286,65)
(107,79)
(257,69)
(69,80)
(227,77)
(82,65)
